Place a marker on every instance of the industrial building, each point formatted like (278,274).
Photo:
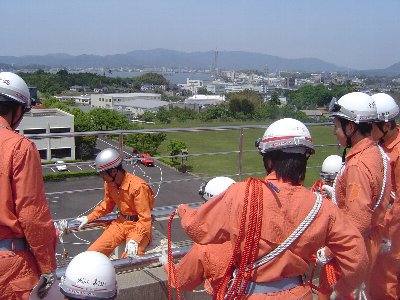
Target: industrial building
(109,100)
(50,121)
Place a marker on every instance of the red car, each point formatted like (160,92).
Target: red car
(146,160)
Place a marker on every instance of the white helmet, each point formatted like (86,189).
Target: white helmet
(288,135)
(215,186)
(330,167)
(14,88)
(89,275)
(107,159)
(357,107)
(386,106)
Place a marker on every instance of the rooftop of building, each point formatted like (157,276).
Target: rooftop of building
(127,95)
(143,103)
(47,112)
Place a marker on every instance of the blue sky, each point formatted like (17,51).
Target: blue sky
(359,34)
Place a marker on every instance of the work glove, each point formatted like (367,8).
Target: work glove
(83,220)
(327,190)
(163,259)
(386,246)
(131,248)
(322,257)
(48,280)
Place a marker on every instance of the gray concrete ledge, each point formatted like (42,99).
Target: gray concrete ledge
(150,284)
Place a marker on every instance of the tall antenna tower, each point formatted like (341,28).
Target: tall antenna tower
(214,69)
(266,72)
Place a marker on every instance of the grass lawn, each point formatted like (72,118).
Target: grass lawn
(200,142)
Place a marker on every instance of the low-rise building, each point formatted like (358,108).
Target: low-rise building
(51,120)
(109,100)
(135,108)
(205,100)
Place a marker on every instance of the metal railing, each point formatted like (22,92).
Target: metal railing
(151,258)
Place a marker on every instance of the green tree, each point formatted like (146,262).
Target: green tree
(147,116)
(146,142)
(275,98)
(107,119)
(84,144)
(175,147)
(246,101)
(163,115)
(214,112)
(203,91)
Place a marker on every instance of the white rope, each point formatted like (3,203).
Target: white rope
(341,171)
(385,160)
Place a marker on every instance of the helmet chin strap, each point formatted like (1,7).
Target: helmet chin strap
(113,177)
(380,126)
(348,143)
(12,124)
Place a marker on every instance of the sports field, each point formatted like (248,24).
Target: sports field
(200,142)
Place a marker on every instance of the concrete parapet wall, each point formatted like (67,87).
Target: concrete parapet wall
(149,284)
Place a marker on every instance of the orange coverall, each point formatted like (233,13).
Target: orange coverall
(203,263)
(218,221)
(358,187)
(133,197)
(24,214)
(387,268)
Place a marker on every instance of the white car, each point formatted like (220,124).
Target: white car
(61,166)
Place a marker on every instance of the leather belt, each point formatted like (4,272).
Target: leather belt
(130,218)
(273,286)
(18,244)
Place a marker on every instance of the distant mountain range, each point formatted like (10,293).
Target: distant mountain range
(227,60)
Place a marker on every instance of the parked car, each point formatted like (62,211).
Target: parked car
(61,166)
(146,160)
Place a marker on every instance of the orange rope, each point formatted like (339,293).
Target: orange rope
(251,243)
(171,265)
(317,186)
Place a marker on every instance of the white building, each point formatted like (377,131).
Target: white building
(135,108)
(192,85)
(109,100)
(205,100)
(50,121)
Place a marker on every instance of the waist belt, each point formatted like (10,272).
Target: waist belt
(18,244)
(130,218)
(273,286)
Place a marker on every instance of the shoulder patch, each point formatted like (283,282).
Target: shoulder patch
(353,191)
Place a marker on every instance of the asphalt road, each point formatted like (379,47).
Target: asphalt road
(75,197)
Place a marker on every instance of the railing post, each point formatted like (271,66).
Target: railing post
(240,152)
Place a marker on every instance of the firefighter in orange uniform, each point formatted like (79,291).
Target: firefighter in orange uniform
(362,187)
(276,225)
(387,269)
(134,199)
(206,263)
(27,232)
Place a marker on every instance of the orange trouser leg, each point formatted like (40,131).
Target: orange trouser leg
(18,275)
(112,236)
(384,281)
